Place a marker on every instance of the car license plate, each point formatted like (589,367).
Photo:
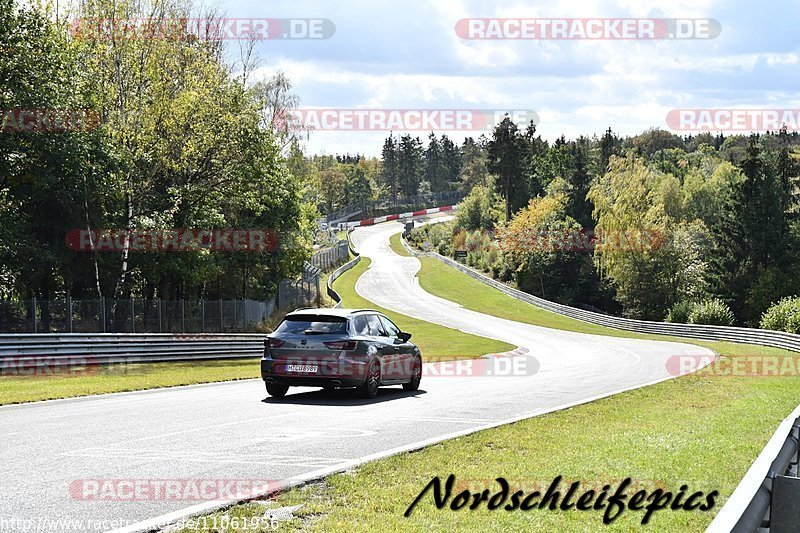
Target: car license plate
(304,369)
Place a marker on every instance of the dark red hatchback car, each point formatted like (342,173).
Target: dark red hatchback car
(334,348)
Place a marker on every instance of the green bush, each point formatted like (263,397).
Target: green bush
(476,210)
(783,316)
(679,314)
(433,237)
(712,311)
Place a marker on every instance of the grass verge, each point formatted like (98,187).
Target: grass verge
(101,379)
(397,246)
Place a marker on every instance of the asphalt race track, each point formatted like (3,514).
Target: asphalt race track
(228,431)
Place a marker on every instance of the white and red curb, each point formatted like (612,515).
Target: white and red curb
(410,214)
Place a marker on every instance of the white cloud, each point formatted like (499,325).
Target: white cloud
(390,55)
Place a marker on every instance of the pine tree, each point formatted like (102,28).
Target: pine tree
(509,152)
(410,164)
(609,145)
(451,158)
(579,207)
(434,165)
(389,172)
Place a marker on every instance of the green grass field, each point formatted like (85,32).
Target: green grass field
(103,379)
(397,246)
(703,430)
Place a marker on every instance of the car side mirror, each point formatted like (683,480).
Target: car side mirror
(405,337)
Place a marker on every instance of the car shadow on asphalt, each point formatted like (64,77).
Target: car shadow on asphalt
(342,397)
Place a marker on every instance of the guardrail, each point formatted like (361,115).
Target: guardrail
(768,496)
(336,273)
(401,216)
(43,350)
(345,212)
(341,270)
(777,339)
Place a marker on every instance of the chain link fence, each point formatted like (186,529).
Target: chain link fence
(332,257)
(139,315)
(302,292)
(134,315)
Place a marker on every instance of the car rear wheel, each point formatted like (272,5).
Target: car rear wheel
(370,387)
(416,375)
(277,390)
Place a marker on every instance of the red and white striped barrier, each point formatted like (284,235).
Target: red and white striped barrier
(410,214)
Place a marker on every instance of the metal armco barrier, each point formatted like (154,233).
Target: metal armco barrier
(764,509)
(21,351)
(341,270)
(403,216)
(768,497)
(777,339)
(354,209)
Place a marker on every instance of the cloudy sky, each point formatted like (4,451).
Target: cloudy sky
(407,55)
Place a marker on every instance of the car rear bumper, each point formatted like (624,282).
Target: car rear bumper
(346,373)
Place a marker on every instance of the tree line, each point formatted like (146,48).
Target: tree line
(183,140)
(653,226)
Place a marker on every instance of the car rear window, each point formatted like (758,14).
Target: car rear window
(312,324)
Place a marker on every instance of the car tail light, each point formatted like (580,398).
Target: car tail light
(342,345)
(273,343)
